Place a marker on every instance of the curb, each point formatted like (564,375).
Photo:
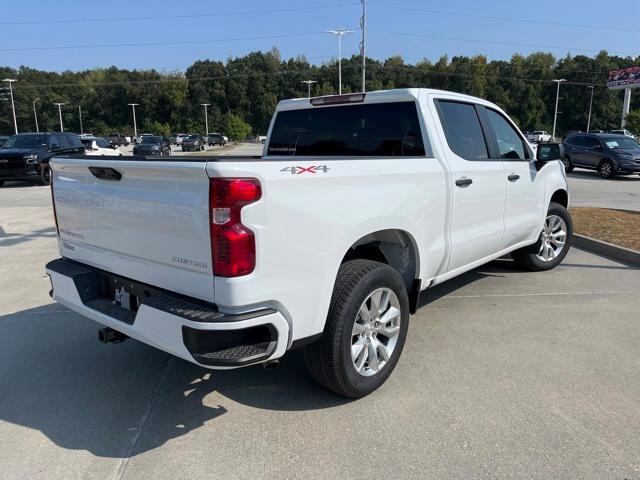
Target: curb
(608,250)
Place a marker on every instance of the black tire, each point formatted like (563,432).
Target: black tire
(45,174)
(606,169)
(329,358)
(527,257)
(568,165)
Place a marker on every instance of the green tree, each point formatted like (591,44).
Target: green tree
(632,122)
(236,128)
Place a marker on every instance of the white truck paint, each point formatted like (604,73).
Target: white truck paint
(152,226)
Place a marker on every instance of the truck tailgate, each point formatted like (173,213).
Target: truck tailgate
(151,224)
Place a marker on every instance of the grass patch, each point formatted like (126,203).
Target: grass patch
(620,227)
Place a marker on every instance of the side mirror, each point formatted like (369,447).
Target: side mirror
(549,151)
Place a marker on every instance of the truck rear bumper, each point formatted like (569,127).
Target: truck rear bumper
(187,328)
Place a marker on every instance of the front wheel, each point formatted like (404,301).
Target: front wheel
(553,243)
(45,174)
(365,330)
(605,169)
(568,164)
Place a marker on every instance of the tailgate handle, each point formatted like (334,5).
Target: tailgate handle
(105,173)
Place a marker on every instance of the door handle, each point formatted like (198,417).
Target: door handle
(464,182)
(513,177)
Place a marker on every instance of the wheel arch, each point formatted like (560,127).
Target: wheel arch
(396,248)
(561,196)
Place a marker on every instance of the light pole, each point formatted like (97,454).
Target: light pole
(80,115)
(135,127)
(35,114)
(309,83)
(13,106)
(339,33)
(590,87)
(206,118)
(555,115)
(60,114)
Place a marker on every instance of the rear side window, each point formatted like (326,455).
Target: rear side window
(510,145)
(463,130)
(376,129)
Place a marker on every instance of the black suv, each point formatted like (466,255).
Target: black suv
(152,145)
(607,153)
(26,156)
(216,139)
(118,139)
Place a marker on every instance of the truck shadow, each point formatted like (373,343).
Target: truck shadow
(117,401)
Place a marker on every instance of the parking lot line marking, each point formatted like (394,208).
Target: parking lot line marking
(138,431)
(491,295)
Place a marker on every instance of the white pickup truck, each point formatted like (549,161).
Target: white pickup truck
(358,203)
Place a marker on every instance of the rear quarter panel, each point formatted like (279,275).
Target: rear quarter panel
(306,222)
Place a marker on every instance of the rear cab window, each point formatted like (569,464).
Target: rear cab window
(373,129)
(462,129)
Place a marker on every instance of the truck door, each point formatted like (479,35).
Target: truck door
(525,193)
(478,184)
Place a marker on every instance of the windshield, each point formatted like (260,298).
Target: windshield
(192,137)
(150,140)
(621,142)
(25,141)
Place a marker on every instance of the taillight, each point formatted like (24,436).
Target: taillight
(233,246)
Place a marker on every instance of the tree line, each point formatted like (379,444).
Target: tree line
(243,91)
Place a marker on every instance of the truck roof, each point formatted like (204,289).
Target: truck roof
(394,95)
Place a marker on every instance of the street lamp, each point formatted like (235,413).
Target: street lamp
(206,118)
(555,115)
(35,114)
(13,106)
(590,87)
(339,33)
(60,114)
(80,115)
(309,82)
(135,127)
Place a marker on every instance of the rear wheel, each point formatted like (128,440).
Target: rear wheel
(605,169)
(365,330)
(553,243)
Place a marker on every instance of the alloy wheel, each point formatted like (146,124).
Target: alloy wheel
(552,238)
(375,332)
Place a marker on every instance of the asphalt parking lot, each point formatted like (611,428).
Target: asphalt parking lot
(505,374)
(589,190)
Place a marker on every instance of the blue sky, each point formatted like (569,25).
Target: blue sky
(415,29)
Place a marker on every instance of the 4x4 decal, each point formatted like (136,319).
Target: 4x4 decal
(297,170)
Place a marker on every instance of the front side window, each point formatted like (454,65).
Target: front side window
(463,130)
(375,129)
(510,144)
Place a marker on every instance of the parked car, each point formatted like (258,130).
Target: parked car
(216,139)
(193,143)
(152,145)
(232,261)
(262,138)
(179,137)
(99,146)
(118,139)
(607,153)
(26,156)
(538,136)
(624,132)
(3,138)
